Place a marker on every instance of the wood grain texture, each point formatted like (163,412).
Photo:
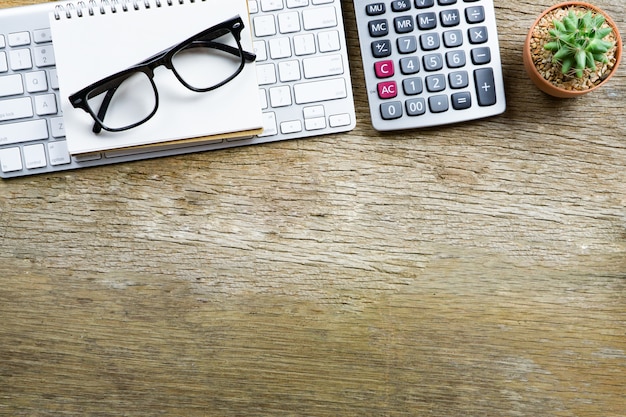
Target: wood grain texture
(468,270)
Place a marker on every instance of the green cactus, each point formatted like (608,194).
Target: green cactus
(578,42)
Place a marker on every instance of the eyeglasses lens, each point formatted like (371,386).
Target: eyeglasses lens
(130,103)
(208,63)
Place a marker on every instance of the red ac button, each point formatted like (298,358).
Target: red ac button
(387,89)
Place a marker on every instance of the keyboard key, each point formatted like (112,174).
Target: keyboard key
(20,59)
(42,35)
(291,126)
(319,18)
(266,74)
(16,108)
(269,125)
(280,96)
(44,57)
(11,85)
(260,50)
(304,44)
(338,120)
(19,39)
(313,112)
(271,5)
(315,124)
(322,66)
(10,159)
(4,64)
(34,156)
(264,26)
(2,42)
(279,48)
(23,131)
(58,152)
(57,127)
(289,22)
(297,3)
(253,6)
(320,91)
(328,41)
(289,71)
(45,104)
(35,81)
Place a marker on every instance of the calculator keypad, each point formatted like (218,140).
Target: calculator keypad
(430,62)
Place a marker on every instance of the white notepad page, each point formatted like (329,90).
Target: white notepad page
(89,48)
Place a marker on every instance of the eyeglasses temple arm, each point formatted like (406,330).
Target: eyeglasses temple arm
(97,127)
(248,56)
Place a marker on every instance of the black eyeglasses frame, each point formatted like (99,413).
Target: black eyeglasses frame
(110,84)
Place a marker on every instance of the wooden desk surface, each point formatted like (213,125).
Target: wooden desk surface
(469,270)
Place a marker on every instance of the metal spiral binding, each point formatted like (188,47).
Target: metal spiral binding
(91,7)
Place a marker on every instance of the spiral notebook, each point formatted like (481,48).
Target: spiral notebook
(95,39)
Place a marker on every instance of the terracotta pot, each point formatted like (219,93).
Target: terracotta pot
(550,88)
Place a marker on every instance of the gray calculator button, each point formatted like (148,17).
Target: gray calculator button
(375,9)
(403,24)
(458,79)
(436,83)
(381,48)
(433,62)
(412,86)
(450,18)
(415,106)
(485,86)
(461,101)
(475,14)
(391,110)
(407,44)
(438,103)
(452,38)
(426,21)
(400,5)
(378,28)
(424,4)
(481,56)
(455,59)
(409,65)
(478,35)
(430,41)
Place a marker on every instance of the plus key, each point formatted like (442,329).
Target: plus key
(485,87)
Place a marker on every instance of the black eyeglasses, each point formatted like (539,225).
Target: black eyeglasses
(204,62)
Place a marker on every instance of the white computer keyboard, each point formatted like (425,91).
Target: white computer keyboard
(304,84)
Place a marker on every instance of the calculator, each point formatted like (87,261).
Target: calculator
(429,62)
